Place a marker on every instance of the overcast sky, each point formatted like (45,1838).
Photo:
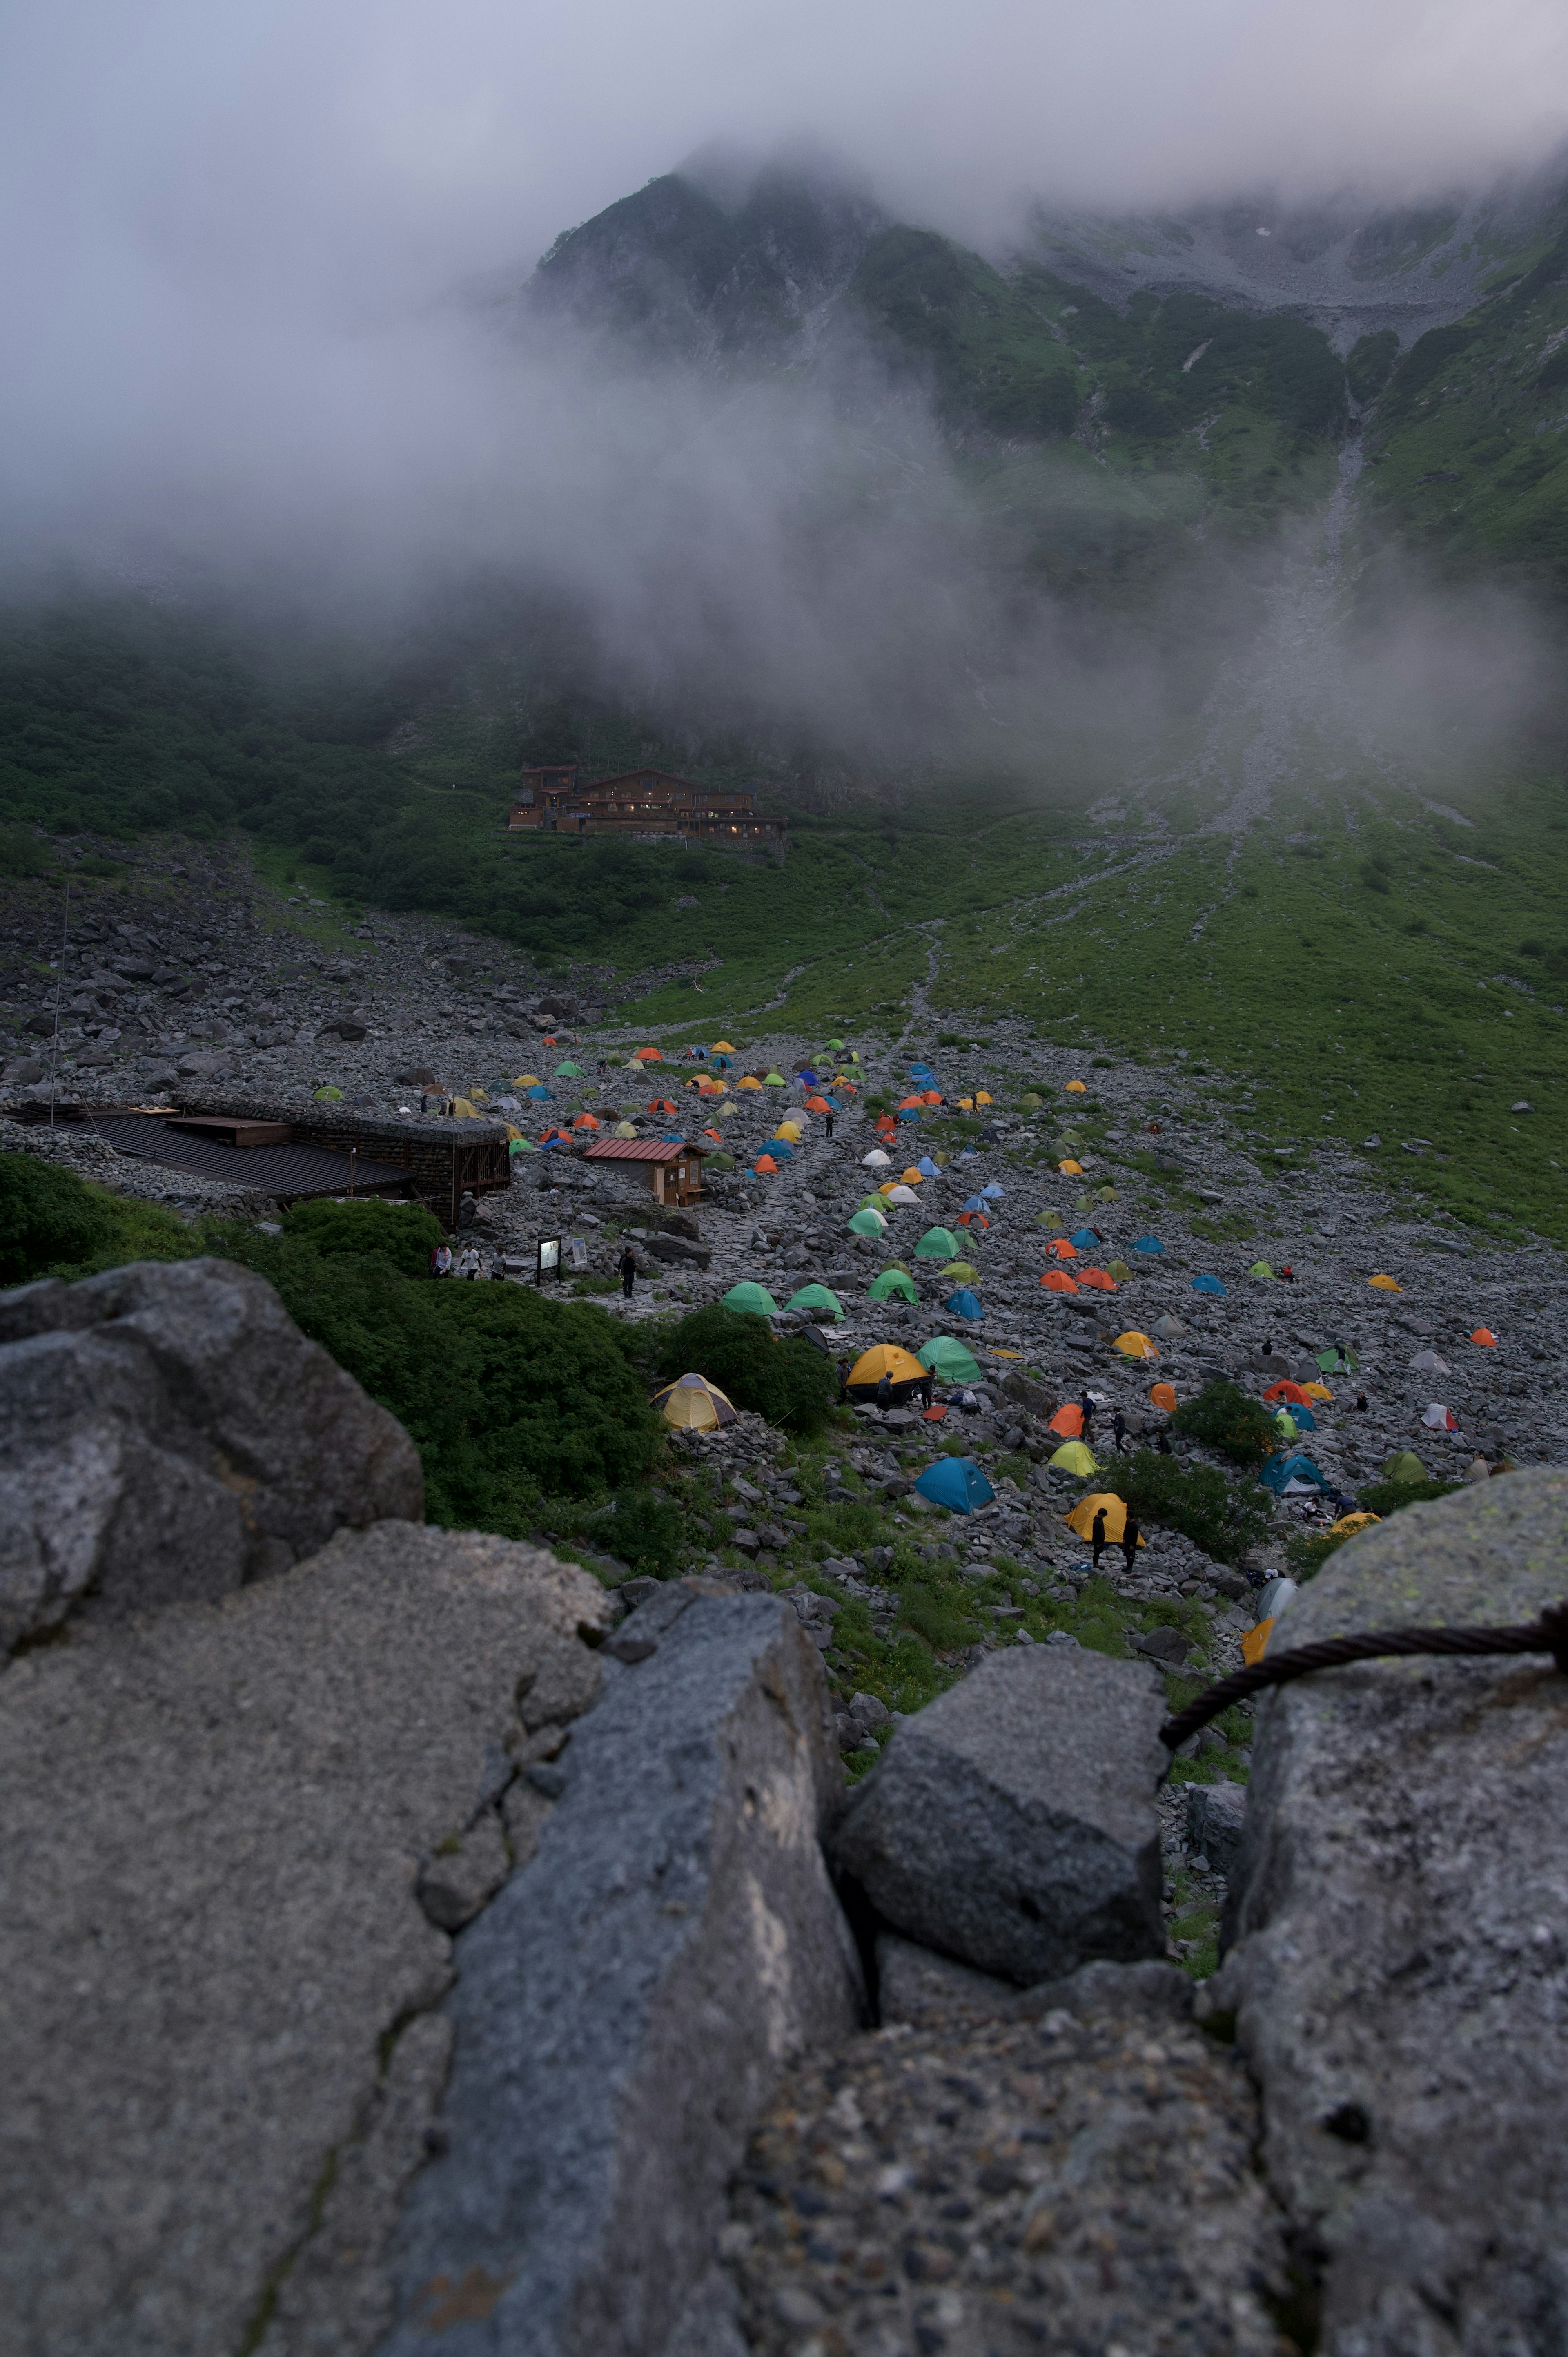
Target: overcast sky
(230,231)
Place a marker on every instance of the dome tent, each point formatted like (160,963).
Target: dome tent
(1082,1518)
(752,1297)
(944,1357)
(957,1483)
(1075,1457)
(816,1297)
(963,1304)
(691,1404)
(936,1244)
(893,1282)
(904,1375)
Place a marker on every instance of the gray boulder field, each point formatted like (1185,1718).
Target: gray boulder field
(220,2043)
(625,2008)
(1011,1822)
(167,1432)
(1399,1976)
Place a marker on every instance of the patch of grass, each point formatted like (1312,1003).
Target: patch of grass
(1226,1419)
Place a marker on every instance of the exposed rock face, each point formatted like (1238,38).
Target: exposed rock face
(169,1432)
(219,1980)
(1011,1821)
(625,2007)
(1400,1975)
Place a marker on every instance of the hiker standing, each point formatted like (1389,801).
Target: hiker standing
(1129,1543)
(467,1264)
(884,1388)
(928,1390)
(441,1260)
(828,1129)
(1118,1431)
(842,1371)
(626,1268)
(1086,1410)
(1097,1539)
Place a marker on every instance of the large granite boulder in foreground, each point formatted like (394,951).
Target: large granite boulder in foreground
(167,1432)
(1011,1822)
(626,2006)
(219,2032)
(1400,1913)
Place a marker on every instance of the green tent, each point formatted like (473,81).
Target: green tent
(755,1297)
(893,1281)
(964,1270)
(1072,1457)
(521,1146)
(330,1096)
(873,1202)
(1404,1465)
(867,1223)
(944,1357)
(718,1161)
(570,1073)
(938,1244)
(1119,1270)
(1339,1362)
(816,1297)
(1049,1220)
(1259,1268)
(776,1081)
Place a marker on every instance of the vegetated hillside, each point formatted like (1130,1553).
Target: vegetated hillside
(1467,437)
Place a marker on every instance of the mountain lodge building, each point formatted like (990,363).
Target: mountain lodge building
(556,800)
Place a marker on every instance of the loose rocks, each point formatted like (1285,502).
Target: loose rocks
(1080,2181)
(213,1823)
(169,1432)
(1011,1821)
(1400,1976)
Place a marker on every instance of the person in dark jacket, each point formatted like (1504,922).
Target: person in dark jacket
(627,1268)
(1085,1409)
(884,1391)
(1130,1544)
(1098,1541)
(1118,1431)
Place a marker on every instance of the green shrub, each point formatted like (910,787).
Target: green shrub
(790,1382)
(641,1528)
(53,1224)
(509,1397)
(405,1233)
(1225,1417)
(1372,362)
(1386,1497)
(1221,1517)
(21,854)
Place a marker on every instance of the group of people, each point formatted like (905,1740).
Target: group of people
(466,1263)
(1098,1542)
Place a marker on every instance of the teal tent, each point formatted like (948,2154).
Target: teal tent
(893,1281)
(957,1483)
(755,1297)
(944,1357)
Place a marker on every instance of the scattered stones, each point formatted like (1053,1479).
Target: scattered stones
(1012,1823)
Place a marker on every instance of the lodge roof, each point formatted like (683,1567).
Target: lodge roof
(642,1149)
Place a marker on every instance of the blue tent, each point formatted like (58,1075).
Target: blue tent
(967,1153)
(559,1145)
(908,1113)
(1207,1284)
(1302,1416)
(994,1193)
(808,1077)
(1088,1238)
(926,1167)
(780,1149)
(975,1203)
(1148,1244)
(672,1138)
(1281,1470)
(921,1073)
(956,1483)
(540,1091)
(963,1303)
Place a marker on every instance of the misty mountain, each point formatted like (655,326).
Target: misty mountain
(1206,365)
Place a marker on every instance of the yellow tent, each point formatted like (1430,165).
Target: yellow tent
(691,1404)
(722,1048)
(1386,1284)
(904,1372)
(1082,1518)
(1076,1088)
(726,1110)
(747,1081)
(1070,1169)
(984,1097)
(527,1080)
(465,1108)
(1348,1525)
(1318,1392)
(1136,1346)
(1255,1642)
(1072,1457)
(911,1177)
(624,1129)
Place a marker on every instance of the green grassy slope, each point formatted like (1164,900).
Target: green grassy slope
(1468,446)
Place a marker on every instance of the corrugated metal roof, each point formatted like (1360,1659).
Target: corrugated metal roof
(639,1149)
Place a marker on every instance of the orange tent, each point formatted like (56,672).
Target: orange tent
(1062,1249)
(766,1162)
(1068,1421)
(1055,1281)
(1287,1391)
(716,1135)
(932,1096)
(1164,1396)
(908,1104)
(646,1056)
(585,1121)
(1098,1278)
(818,1104)
(971,1219)
(662,1105)
(1485,1336)
(1070,1169)
(1075,1088)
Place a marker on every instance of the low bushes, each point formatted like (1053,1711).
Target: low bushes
(53,1224)
(1221,1517)
(1226,1419)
